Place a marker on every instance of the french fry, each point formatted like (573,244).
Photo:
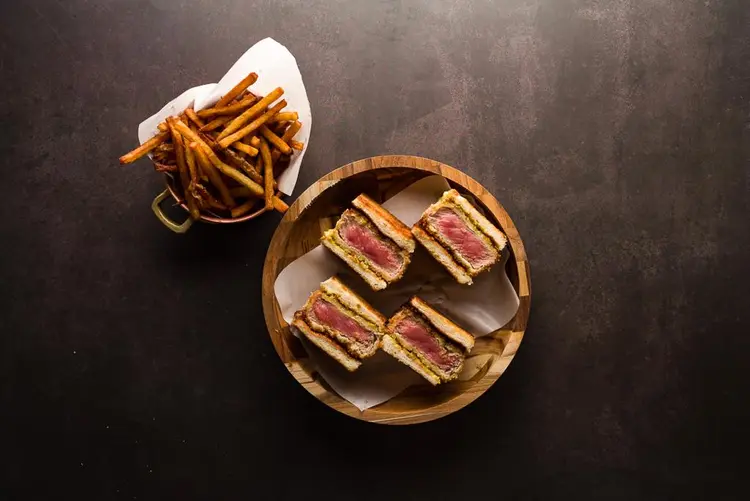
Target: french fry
(267,173)
(192,167)
(245,148)
(198,192)
(237,89)
(165,148)
(231,109)
(208,140)
(296,145)
(279,128)
(243,164)
(225,169)
(291,131)
(202,175)
(215,204)
(242,95)
(182,167)
(275,140)
(208,197)
(251,113)
(160,167)
(163,153)
(287,116)
(216,123)
(213,176)
(190,134)
(144,149)
(243,209)
(179,149)
(243,142)
(254,187)
(280,165)
(255,124)
(241,192)
(190,112)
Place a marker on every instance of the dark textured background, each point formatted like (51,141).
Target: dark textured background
(134,363)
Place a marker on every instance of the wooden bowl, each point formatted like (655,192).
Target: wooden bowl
(317,210)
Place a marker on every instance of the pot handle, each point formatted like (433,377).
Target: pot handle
(156,207)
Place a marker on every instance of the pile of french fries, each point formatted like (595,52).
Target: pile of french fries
(228,156)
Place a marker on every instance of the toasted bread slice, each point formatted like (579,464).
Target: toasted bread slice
(457,256)
(393,348)
(407,312)
(441,255)
(427,224)
(351,300)
(333,242)
(493,239)
(355,216)
(443,324)
(387,223)
(327,345)
(497,237)
(357,349)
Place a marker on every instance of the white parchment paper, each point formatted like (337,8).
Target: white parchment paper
(481,308)
(276,67)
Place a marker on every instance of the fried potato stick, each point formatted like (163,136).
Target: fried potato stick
(287,137)
(212,174)
(240,192)
(255,124)
(275,140)
(245,148)
(251,113)
(231,109)
(144,149)
(287,116)
(190,112)
(216,123)
(243,209)
(160,167)
(192,167)
(179,146)
(243,164)
(237,89)
(267,173)
(208,197)
(228,171)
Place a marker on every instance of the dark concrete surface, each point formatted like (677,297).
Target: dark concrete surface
(134,363)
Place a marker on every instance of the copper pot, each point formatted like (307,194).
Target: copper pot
(175,192)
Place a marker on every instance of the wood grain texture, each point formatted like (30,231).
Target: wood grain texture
(317,210)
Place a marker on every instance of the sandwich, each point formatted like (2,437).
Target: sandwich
(427,342)
(340,323)
(372,242)
(459,237)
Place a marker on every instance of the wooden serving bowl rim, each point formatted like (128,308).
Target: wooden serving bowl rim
(509,336)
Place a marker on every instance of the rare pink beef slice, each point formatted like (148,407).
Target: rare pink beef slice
(366,241)
(329,315)
(420,338)
(462,238)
